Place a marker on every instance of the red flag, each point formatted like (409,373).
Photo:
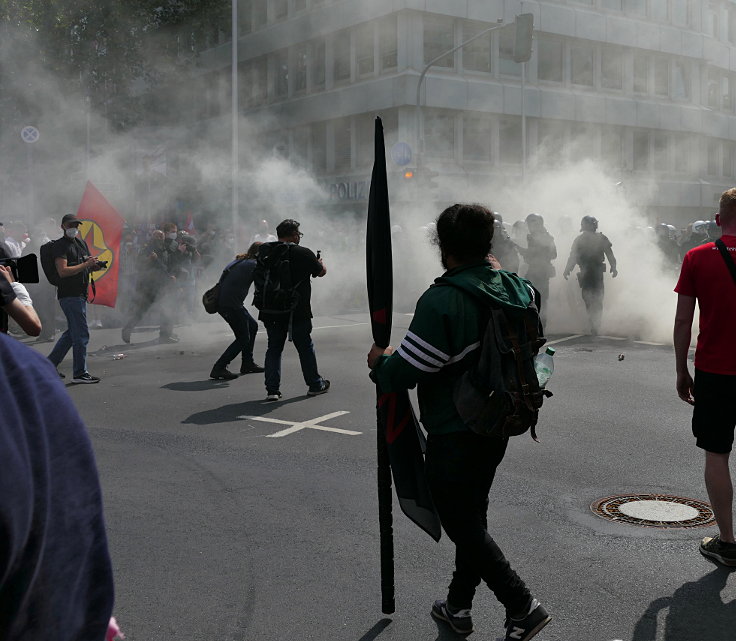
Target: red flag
(102,229)
(189,224)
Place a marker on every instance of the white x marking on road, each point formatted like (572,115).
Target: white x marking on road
(313,424)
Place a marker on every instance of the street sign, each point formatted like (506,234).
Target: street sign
(401,153)
(29,134)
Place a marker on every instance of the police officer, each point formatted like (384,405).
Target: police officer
(538,255)
(588,251)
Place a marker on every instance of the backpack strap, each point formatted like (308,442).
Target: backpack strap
(727,257)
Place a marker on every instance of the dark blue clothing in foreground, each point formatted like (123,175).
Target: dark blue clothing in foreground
(55,572)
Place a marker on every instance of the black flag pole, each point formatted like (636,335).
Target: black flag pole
(380,294)
(399,437)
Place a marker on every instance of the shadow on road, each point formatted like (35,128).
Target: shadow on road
(230,413)
(376,630)
(695,611)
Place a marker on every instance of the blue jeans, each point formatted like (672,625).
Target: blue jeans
(301,332)
(76,335)
(245,328)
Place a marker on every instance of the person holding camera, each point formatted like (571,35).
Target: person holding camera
(74,264)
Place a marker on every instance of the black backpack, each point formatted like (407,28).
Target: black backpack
(499,394)
(275,291)
(48,263)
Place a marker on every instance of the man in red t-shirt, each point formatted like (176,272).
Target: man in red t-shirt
(706,279)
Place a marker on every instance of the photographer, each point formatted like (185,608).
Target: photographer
(74,264)
(15,302)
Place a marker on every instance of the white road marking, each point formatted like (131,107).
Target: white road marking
(615,338)
(562,340)
(313,424)
(649,343)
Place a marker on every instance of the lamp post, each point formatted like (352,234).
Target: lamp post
(235,133)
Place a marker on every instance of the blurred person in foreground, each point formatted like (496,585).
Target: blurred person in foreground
(303,265)
(442,342)
(16,304)
(235,282)
(74,265)
(589,251)
(55,573)
(707,279)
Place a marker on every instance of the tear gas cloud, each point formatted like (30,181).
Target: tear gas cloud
(133,173)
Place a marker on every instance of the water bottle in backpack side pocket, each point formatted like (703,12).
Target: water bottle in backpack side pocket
(544,365)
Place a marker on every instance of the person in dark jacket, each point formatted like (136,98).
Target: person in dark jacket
(234,285)
(443,338)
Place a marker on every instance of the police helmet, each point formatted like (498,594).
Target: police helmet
(588,223)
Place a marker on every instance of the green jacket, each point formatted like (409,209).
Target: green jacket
(444,336)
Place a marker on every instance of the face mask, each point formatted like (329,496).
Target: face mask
(171,236)
(71,232)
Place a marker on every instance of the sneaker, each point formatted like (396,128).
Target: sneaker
(322,389)
(125,334)
(273,396)
(252,369)
(168,339)
(527,627)
(223,374)
(60,374)
(86,378)
(459,620)
(713,547)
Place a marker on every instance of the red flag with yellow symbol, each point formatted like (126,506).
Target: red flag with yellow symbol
(102,228)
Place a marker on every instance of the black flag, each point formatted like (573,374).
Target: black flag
(400,440)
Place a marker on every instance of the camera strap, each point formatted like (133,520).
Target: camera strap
(727,257)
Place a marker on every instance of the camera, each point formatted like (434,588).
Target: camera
(102,264)
(24,269)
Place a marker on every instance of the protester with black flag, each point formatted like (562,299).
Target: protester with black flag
(440,344)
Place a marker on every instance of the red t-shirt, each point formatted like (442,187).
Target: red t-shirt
(705,276)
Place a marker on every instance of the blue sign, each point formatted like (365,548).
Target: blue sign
(401,153)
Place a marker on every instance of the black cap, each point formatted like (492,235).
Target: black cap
(70,218)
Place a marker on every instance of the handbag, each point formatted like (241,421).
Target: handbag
(210,299)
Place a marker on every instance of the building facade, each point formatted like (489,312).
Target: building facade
(646,87)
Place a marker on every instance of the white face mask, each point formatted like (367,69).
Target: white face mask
(71,232)
(171,236)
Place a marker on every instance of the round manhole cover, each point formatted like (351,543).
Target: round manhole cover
(654,510)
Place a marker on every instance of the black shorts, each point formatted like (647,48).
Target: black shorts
(714,416)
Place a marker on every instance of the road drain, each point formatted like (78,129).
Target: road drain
(654,510)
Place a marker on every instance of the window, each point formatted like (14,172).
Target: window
(680,12)
(612,146)
(506,40)
(300,5)
(641,73)
(725,92)
(714,158)
(552,137)
(683,152)
(732,25)
(439,135)
(259,81)
(318,147)
(477,138)
(281,74)
(641,150)
(713,79)
(364,128)
(300,68)
(581,65)
(549,59)
(388,42)
(280,9)
(260,14)
(439,36)
(658,11)
(341,56)
(612,69)
(509,141)
(636,7)
(728,159)
(476,54)
(364,50)
(343,134)
(300,141)
(245,16)
(317,66)
(661,77)
(615,5)
(659,144)
(681,80)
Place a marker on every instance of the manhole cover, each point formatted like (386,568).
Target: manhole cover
(654,510)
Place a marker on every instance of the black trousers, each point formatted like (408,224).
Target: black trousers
(460,469)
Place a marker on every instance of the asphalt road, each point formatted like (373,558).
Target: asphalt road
(230,518)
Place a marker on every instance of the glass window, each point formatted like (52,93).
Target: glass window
(725,92)
(439,135)
(658,11)
(612,146)
(245,16)
(732,25)
(549,59)
(509,141)
(343,135)
(661,158)
(300,141)
(661,77)
(727,159)
(439,36)
(281,74)
(506,40)
(714,157)
(260,14)
(341,55)
(477,138)
(476,54)
(318,148)
(388,39)
(280,9)
(636,7)
(300,68)
(713,80)
(612,69)
(641,151)
(680,12)
(260,81)
(615,5)
(641,73)
(552,138)
(317,66)
(581,64)
(683,152)
(364,49)
(364,129)
(681,80)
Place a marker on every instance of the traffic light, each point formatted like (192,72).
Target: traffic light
(523,39)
